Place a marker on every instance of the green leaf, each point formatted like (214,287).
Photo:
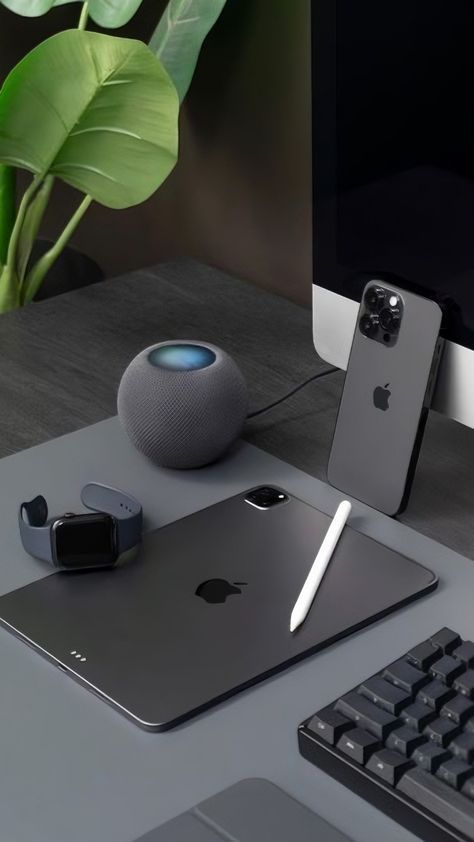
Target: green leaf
(107,13)
(110,14)
(7,209)
(28,8)
(97,111)
(179,36)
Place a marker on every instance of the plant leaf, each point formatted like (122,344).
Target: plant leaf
(179,36)
(97,111)
(107,13)
(28,8)
(110,14)
(7,208)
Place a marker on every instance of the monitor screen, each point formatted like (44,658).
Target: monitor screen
(393,137)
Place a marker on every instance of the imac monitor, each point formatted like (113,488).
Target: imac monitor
(393,171)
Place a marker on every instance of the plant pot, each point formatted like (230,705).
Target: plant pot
(72,270)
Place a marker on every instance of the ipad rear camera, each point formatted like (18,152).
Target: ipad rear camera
(266,497)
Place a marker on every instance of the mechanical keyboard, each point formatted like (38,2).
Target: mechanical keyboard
(404,739)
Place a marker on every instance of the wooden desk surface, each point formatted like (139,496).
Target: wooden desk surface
(62,361)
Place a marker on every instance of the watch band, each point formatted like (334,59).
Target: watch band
(125,508)
(35,527)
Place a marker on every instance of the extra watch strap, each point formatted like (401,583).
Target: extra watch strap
(125,508)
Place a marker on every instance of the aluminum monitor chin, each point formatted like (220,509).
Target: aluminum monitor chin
(393,171)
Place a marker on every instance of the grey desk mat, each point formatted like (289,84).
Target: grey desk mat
(73,769)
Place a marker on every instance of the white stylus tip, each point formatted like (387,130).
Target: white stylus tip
(294,623)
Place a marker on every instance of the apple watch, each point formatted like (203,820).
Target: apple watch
(85,541)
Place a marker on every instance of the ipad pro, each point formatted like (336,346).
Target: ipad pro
(204,611)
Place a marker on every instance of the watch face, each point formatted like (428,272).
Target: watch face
(84,541)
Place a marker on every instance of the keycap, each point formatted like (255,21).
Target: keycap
(446,640)
(388,765)
(463,747)
(358,744)
(465,653)
(446,669)
(435,694)
(384,694)
(418,715)
(455,772)
(436,796)
(405,740)
(468,788)
(459,709)
(464,684)
(406,676)
(442,731)
(329,724)
(423,655)
(367,715)
(429,756)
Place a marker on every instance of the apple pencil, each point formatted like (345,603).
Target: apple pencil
(320,565)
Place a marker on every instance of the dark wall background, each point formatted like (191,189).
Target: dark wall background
(240,196)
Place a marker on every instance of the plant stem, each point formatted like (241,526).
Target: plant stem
(9,290)
(31,225)
(84,16)
(36,276)
(7,208)
(20,217)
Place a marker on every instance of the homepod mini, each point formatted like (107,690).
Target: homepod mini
(182,403)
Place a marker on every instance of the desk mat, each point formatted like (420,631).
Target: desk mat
(75,770)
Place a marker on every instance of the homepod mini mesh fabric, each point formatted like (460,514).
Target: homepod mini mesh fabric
(182,418)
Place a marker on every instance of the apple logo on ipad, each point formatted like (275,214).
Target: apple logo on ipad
(217,590)
(381,396)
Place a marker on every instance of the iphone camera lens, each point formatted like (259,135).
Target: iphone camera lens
(374,298)
(369,324)
(390,319)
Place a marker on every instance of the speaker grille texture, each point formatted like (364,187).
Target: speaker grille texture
(183,419)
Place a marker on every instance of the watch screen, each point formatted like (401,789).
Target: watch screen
(85,541)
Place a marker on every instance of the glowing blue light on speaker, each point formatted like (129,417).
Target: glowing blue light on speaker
(182,357)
